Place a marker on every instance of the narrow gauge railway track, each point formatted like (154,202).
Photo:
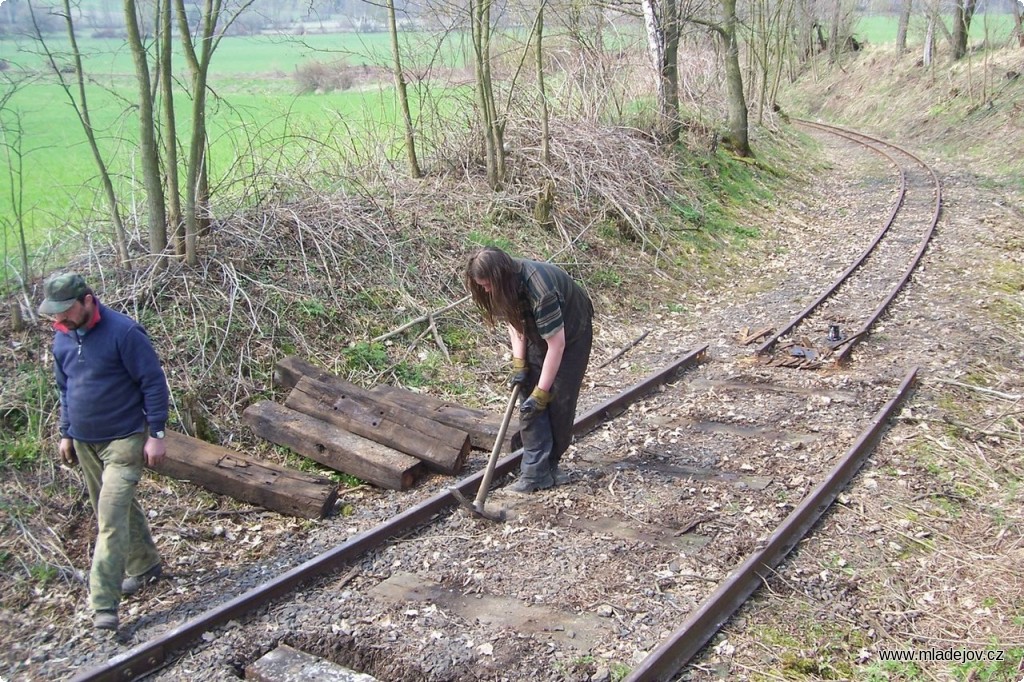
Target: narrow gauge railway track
(732,500)
(678,509)
(860,295)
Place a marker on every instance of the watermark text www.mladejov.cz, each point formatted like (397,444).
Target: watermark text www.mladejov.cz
(941,655)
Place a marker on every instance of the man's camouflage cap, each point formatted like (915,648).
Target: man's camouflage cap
(61,291)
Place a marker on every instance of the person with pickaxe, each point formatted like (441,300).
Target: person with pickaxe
(550,326)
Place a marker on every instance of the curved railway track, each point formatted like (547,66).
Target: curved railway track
(692,483)
(861,294)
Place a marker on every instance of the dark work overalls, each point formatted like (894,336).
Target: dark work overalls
(547,436)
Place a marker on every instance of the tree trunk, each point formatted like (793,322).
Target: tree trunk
(149,155)
(737,139)
(962,16)
(493,132)
(545,132)
(196,188)
(901,31)
(165,10)
(661,21)
(403,97)
(15,172)
(1019,23)
(834,43)
(82,109)
(929,42)
(670,74)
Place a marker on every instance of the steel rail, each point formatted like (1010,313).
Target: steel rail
(682,645)
(158,652)
(846,348)
(768,344)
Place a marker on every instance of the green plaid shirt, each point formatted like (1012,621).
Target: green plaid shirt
(554,300)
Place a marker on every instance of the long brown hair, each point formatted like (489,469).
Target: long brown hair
(493,265)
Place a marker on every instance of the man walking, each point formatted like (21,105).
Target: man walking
(113,408)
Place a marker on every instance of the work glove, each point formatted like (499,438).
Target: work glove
(519,372)
(535,404)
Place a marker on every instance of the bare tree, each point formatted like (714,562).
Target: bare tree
(400,92)
(661,19)
(737,138)
(80,103)
(492,123)
(545,133)
(1018,23)
(963,13)
(906,7)
(170,132)
(11,137)
(149,155)
(770,26)
(208,37)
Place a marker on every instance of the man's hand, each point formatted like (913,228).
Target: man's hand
(67,452)
(535,404)
(154,451)
(519,372)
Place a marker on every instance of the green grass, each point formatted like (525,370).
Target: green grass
(1005,670)
(23,432)
(260,128)
(241,55)
(256,136)
(881,29)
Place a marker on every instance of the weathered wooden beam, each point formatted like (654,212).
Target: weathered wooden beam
(289,370)
(482,426)
(331,446)
(338,402)
(227,472)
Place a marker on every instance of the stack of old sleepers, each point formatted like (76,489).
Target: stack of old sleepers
(384,435)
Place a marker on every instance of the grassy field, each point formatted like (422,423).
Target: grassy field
(259,123)
(997,29)
(241,55)
(59,173)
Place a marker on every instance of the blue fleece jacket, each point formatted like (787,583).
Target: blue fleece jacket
(110,380)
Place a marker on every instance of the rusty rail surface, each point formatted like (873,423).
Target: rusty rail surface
(844,348)
(683,644)
(160,651)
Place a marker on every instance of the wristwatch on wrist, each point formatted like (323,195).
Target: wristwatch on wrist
(159,435)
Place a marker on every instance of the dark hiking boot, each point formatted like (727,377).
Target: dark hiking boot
(105,620)
(522,486)
(134,583)
(559,476)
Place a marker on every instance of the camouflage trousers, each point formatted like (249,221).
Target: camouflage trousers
(123,542)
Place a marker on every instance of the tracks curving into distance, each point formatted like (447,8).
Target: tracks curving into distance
(859,296)
(689,487)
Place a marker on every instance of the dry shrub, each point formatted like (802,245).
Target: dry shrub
(317,76)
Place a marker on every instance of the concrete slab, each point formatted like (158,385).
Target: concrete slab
(285,664)
(579,631)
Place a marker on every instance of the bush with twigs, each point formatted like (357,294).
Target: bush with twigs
(317,76)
